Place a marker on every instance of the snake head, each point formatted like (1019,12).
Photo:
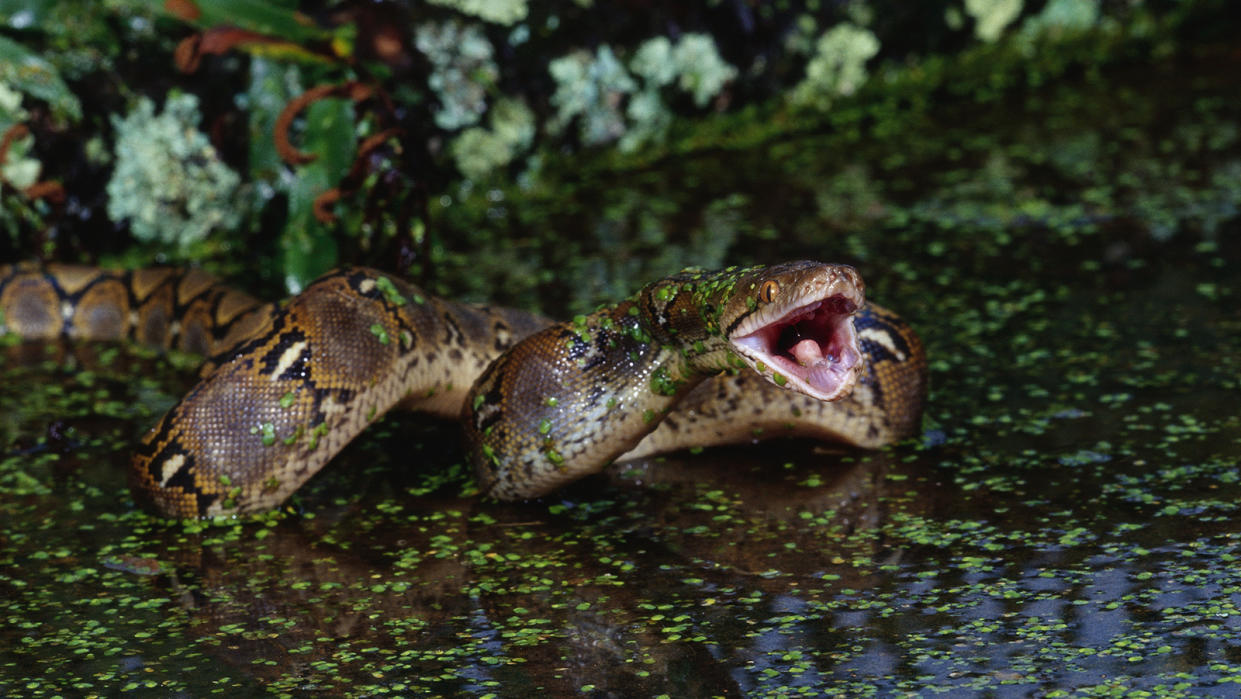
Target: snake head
(798,331)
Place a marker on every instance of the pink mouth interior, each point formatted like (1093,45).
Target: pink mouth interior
(814,346)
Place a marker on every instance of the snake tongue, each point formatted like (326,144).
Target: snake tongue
(812,349)
(808,353)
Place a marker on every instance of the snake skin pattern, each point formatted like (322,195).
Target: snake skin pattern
(697,359)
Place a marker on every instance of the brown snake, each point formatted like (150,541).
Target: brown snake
(696,359)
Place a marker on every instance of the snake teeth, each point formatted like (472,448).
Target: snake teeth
(814,348)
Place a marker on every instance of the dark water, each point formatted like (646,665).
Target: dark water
(1067,522)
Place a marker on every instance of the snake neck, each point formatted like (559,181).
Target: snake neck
(570,399)
(580,392)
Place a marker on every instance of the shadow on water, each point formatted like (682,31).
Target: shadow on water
(1066,520)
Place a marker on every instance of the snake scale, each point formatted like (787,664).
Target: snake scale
(696,359)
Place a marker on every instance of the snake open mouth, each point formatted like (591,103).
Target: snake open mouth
(813,348)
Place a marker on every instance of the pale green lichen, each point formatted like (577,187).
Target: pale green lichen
(504,12)
(992,16)
(654,61)
(649,117)
(838,67)
(859,12)
(701,70)
(18,170)
(1060,17)
(478,151)
(694,63)
(11,111)
(801,39)
(463,70)
(954,19)
(169,182)
(591,89)
(647,112)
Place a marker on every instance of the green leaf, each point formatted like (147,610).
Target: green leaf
(275,18)
(307,245)
(268,94)
(31,75)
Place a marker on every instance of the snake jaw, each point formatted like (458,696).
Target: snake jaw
(812,348)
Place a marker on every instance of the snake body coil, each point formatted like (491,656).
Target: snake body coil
(692,360)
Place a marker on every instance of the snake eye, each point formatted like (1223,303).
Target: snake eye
(768,290)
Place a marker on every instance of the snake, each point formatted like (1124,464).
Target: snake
(696,359)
